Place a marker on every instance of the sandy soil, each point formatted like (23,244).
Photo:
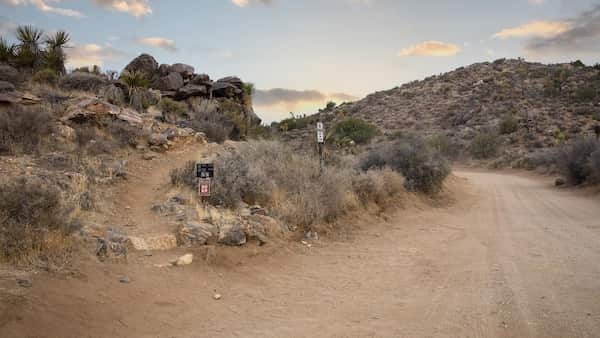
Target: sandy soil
(513,257)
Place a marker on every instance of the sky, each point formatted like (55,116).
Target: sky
(302,53)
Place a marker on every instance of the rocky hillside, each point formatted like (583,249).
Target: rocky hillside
(531,105)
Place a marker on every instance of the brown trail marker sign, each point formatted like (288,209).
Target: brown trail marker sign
(204,187)
(205,172)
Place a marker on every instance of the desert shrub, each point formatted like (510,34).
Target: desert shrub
(289,184)
(356,130)
(485,145)
(508,125)
(23,128)
(578,64)
(294,122)
(170,106)
(585,94)
(576,162)
(82,81)
(260,132)
(45,76)
(9,74)
(423,167)
(32,217)
(444,145)
(215,131)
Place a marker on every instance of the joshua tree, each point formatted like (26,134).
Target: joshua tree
(54,55)
(28,50)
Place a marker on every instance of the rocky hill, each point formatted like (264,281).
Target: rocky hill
(531,106)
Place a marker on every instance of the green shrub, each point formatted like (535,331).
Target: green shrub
(443,145)
(294,122)
(578,64)
(485,145)
(356,130)
(170,106)
(423,167)
(578,160)
(45,76)
(508,125)
(585,94)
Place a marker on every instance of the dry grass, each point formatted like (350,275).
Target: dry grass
(35,222)
(291,185)
(22,129)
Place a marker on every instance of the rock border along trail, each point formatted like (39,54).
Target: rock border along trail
(513,257)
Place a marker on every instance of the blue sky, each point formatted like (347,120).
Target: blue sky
(312,51)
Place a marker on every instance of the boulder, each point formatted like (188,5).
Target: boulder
(6,87)
(231,234)
(164,70)
(194,234)
(225,89)
(191,90)
(157,139)
(94,108)
(186,259)
(145,64)
(186,71)
(9,74)
(203,105)
(201,79)
(233,80)
(171,82)
(114,94)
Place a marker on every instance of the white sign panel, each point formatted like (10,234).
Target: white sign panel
(320,133)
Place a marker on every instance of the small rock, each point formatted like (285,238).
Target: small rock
(232,234)
(217,296)
(125,280)
(559,182)
(186,259)
(24,283)
(150,156)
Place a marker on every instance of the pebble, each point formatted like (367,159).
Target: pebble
(124,280)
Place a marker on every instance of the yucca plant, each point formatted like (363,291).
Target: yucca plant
(135,81)
(54,55)
(7,51)
(28,50)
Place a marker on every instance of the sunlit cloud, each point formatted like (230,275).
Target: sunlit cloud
(137,8)
(545,29)
(582,37)
(272,102)
(431,48)
(156,42)
(91,54)
(43,6)
(244,3)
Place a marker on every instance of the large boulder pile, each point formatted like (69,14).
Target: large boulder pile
(203,96)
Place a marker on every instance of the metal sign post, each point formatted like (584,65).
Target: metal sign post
(320,143)
(205,172)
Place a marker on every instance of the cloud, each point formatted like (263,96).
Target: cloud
(544,29)
(137,8)
(43,6)
(290,99)
(162,43)
(582,37)
(91,54)
(244,3)
(536,2)
(431,48)
(7,27)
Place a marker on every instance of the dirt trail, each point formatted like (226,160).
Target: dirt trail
(147,184)
(513,258)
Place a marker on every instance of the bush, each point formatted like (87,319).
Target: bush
(291,185)
(356,130)
(82,81)
(485,145)
(423,167)
(170,106)
(444,145)
(508,125)
(585,94)
(294,122)
(45,76)
(578,160)
(23,128)
(32,216)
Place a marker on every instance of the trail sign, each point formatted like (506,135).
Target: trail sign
(204,187)
(205,170)
(320,133)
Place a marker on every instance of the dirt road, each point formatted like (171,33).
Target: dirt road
(514,257)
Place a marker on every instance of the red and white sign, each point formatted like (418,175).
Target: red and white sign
(204,188)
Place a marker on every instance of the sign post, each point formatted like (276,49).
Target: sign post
(204,172)
(320,143)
